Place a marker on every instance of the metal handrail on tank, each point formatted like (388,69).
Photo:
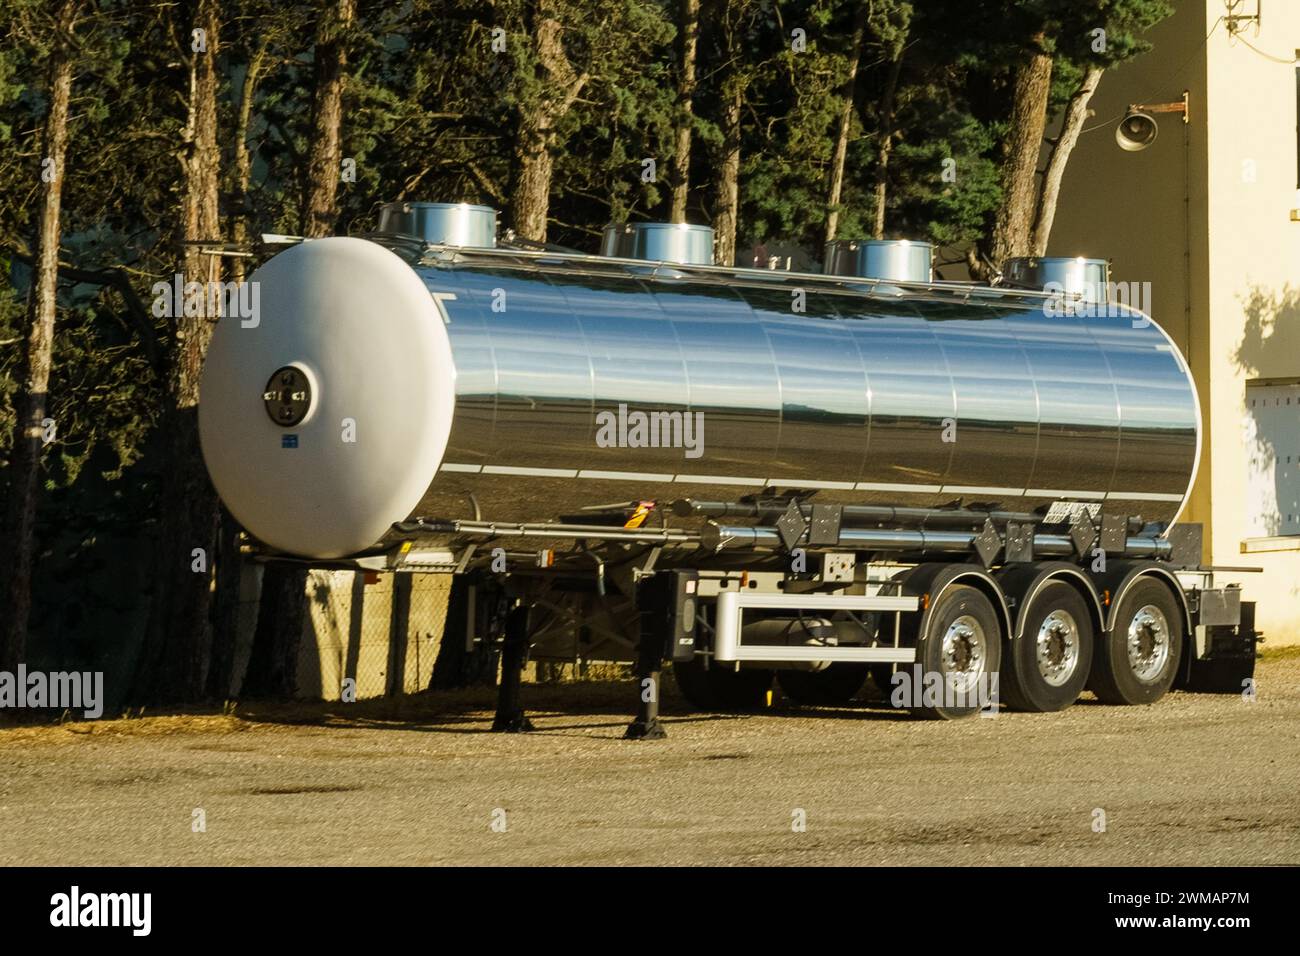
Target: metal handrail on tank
(433,254)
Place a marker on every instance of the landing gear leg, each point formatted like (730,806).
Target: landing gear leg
(654,598)
(510,717)
(649,670)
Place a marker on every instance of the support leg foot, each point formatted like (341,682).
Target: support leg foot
(650,729)
(510,716)
(516,723)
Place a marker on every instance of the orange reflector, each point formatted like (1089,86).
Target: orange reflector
(925,601)
(744,579)
(1105,597)
(638,517)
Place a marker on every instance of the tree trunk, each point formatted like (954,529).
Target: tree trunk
(1076,113)
(726,185)
(281,615)
(32,399)
(243,159)
(690,36)
(325,159)
(1015,216)
(846,126)
(225,610)
(530,199)
(229,562)
(887,100)
(175,652)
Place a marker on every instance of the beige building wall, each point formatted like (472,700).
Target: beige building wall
(383,633)
(1204,215)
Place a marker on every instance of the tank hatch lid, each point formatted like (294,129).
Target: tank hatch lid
(1072,275)
(441,223)
(681,243)
(897,260)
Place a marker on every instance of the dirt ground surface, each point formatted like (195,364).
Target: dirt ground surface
(1194,779)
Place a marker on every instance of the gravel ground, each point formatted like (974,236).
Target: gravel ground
(1195,779)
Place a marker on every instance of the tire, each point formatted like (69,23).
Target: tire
(962,640)
(1148,618)
(1046,668)
(720,688)
(836,684)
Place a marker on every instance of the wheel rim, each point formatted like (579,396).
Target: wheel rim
(965,653)
(1058,647)
(1148,643)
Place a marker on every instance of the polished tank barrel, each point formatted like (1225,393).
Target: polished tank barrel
(518,387)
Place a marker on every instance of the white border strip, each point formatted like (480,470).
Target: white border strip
(623,476)
(530,472)
(906,489)
(719,480)
(1051,493)
(1141,496)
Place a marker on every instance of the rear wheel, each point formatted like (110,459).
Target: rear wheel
(1046,667)
(1136,661)
(835,684)
(719,687)
(962,645)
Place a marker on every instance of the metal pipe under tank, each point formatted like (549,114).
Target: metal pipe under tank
(715,537)
(864,514)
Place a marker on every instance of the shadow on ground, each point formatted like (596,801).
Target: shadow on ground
(466,711)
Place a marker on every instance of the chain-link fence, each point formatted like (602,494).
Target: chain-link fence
(368,634)
(380,631)
(380,634)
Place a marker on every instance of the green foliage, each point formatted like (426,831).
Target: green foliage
(431,111)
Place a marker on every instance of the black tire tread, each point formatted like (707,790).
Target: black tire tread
(1016,688)
(1111,654)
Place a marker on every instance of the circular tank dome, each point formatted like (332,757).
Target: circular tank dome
(324,416)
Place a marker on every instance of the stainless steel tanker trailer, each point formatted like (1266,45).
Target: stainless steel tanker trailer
(753,474)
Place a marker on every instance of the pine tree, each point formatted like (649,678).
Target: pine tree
(55,34)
